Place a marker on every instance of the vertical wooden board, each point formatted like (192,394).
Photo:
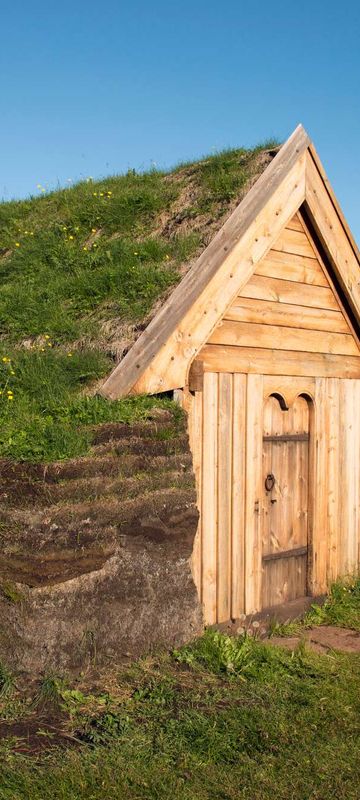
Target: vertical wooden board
(224,487)
(349,465)
(333,459)
(195,417)
(238,496)
(253,549)
(209,497)
(357,471)
(319,489)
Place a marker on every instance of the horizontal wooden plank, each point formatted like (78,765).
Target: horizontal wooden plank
(295,224)
(294,242)
(287,437)
(256,360)
(300,294)
(248,334)
(301,269)
(272,313)
(295,553)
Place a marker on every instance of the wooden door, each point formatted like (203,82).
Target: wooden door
(285,501)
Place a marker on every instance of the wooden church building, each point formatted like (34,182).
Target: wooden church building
(261,342)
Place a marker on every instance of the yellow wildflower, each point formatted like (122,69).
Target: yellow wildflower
(10,397)
(71,237)
(17,244)
(69,355)
(93,230)
(84,248)
(46,336)
(101,194)
(12,372)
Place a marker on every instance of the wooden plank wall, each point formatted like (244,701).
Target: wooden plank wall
(288,309)
(226,426)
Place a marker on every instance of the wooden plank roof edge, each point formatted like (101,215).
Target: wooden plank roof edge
(185,294)
(320,167)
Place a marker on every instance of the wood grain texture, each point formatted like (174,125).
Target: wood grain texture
(238,497)
(282,291)
(332,234)
(254,430)
(224,494)
(209,508)
(296,242)
(248,334)
(272,313)
(261,361)
(300,269)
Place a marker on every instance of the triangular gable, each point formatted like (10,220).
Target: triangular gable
(161,357)
(289,304)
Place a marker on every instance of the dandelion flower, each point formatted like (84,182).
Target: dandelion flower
(71,237)
(12,372)
(94,194)
(101,194)
(93,230)
(69,355)
(46,336)
(17,244)
(84,248)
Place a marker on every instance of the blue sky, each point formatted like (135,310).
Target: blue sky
(90,88)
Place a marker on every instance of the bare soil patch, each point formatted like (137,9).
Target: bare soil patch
(322,639)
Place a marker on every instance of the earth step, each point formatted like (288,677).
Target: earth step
(25,478)
(147,430)
(96,515)
(142,446)
(43,495)
(48,569)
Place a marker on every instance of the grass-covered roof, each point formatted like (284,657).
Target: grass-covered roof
(82,270)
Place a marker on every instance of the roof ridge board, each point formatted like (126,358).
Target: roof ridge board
(320,167)
(195,281)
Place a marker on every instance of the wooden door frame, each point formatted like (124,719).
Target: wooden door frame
(259,388)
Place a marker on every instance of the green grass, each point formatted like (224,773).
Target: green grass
(45,414)
(78,267)
(341,608)
(223,718)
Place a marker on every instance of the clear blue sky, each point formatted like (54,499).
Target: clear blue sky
(92,88)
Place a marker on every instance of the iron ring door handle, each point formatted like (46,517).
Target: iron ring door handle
(269,482)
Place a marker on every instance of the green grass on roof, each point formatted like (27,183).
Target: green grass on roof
(80,269)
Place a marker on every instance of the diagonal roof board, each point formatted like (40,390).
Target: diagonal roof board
(160,359)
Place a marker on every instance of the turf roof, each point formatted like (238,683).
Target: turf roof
(83,270)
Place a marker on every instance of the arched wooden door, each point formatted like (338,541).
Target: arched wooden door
(285,501)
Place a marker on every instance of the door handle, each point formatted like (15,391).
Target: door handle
(269,482)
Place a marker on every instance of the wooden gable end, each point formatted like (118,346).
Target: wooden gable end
(276,292)
(288,319)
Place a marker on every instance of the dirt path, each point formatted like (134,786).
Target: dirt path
(322,639)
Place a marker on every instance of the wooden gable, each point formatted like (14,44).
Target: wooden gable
(288,319)
(300,271)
